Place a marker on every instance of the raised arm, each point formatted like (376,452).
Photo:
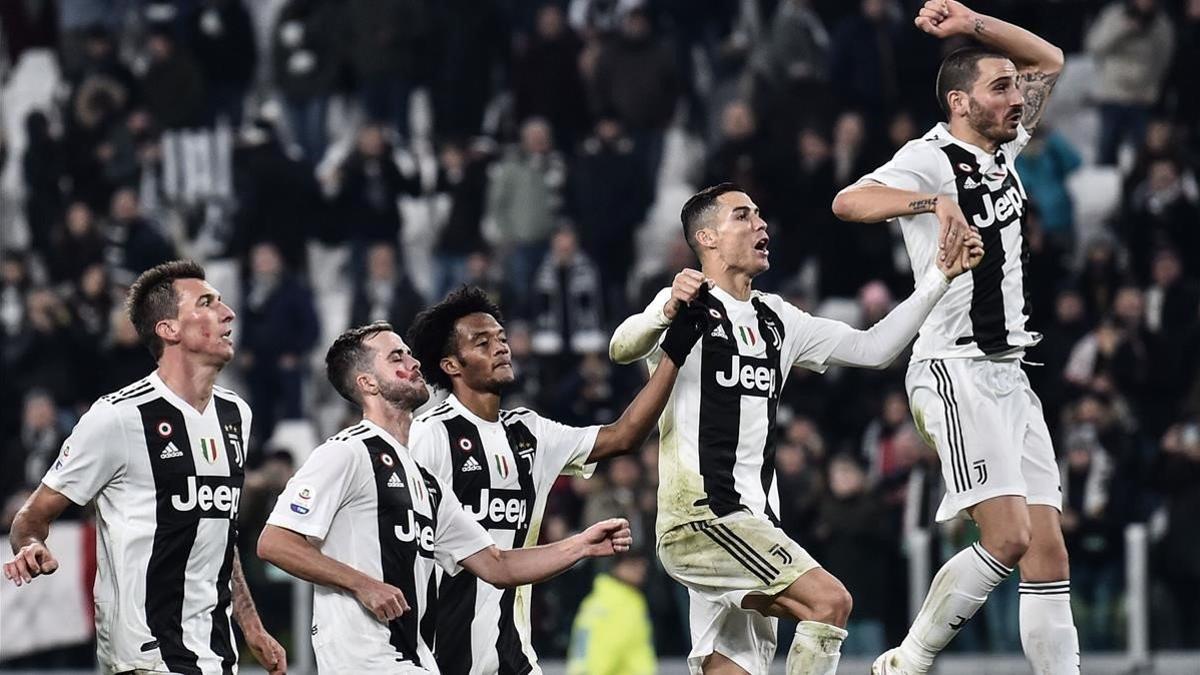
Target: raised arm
(30,528)
(1038,62)
(511,568)
(879,345)
(637,336)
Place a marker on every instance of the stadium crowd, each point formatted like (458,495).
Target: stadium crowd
(353,160)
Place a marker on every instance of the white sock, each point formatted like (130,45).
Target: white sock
(816,649)
(958,590)
(1047,628)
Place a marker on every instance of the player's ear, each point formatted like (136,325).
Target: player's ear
(706,237)
(450,365)
(167,330)
(366,383)
(959,102)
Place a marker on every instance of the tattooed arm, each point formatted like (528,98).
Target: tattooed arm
(265,648)
(1038,62)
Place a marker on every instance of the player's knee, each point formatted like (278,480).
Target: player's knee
(832,606)
(1010,544)
(1049,562)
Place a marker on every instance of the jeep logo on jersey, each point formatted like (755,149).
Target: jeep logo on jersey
(211,494)
(419,530)
(499,509)
(1007,208)
(754,378)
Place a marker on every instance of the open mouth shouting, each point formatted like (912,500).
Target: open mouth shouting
(227,336)
(761,246)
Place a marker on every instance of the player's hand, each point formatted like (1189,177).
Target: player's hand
(945,18)
(31,561)
(267,651)
(606,538)
(967,258)
(684,289)
(385,601)
(688,326)
(953,231)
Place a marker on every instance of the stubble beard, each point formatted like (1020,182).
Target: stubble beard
(985,126)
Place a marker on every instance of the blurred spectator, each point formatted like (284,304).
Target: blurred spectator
(547,82)
(385,293)
(613,633)
(1131,42)
(278,327)
(1045,164)
(588,394)
(278,198)
(1162,213)
(470,52)
(221,37)
(91,304)
(792,61)
(1182,96)
(462,177)
(742,155)
(852,532)
(608,200)
(77,244)
(866,56)
(173,85)
(42,353)
(134,243)
(617,497)
(1102,273)
(1069,324)
(42,168)
(1177,558)
(568,314)
(368,188)
(879,450)
(384,42)
(124,358)
(306,56)
(523,200)
(1093,536)
(42,436)
(263,485)
(636,79)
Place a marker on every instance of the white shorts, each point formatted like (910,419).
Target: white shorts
(721,561)
(989,431)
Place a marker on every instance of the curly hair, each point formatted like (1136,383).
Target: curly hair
(348,356)
(152,298)
(431,335)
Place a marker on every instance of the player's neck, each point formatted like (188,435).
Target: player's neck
(733,282)
(483,404)
(393,419)
(190,381)
(964,132)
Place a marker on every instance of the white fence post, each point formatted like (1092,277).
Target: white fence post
(302,628)
(1137,592)
(917,546)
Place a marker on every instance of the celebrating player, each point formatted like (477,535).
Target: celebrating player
(501,464)
(366,523)
(966,387)
(163,459)
(718,531)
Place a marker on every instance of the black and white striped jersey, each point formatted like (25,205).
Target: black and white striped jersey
(983,313)
(362,500)
(501,472)
(167,480)
(717,433)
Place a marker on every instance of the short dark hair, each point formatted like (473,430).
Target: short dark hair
(959,70)
(152,298)
(348,355)
(697,206)
(431,335)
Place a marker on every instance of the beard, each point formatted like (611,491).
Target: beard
(405,394)
(985,125)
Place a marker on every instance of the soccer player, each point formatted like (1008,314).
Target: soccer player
(502,463)
(718,531)
(367,524)
(162,458)
(965,384)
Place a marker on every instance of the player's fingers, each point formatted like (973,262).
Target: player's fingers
(617,524)
(402,601)
(49,566)
(31,561)
(22,569)
(927,13)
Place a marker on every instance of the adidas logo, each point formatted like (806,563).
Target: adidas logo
(471,465)
(170,452)
(970,184)
(394,481)
(719,332)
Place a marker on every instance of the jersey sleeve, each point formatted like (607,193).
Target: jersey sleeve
(1014,147)
(430,449)
(317,491)
(639,335)
(458,535)
(914,167)
(566,448)
(811,339)
(93,455)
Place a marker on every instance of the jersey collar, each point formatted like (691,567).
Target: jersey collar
(466,412)
(942,130)
(177,400)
